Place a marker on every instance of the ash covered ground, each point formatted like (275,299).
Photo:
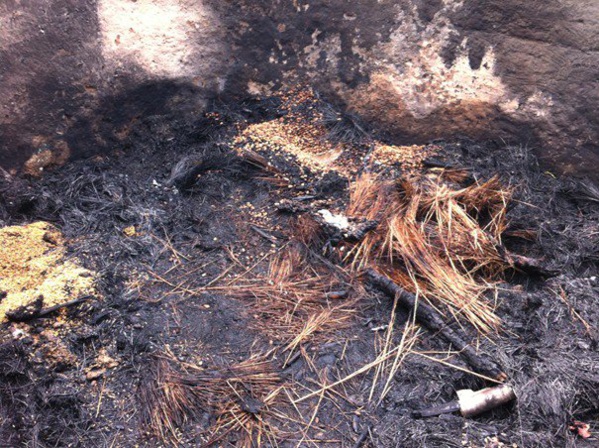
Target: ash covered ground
(226,313)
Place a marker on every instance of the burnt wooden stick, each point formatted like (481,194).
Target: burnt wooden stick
(428,317)
(526,264)
(35,311)
(51,309)
(264,234)
(345,228)
(530,265)
(363,437)
(359,231)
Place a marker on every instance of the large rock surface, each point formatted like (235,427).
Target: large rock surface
(74,74)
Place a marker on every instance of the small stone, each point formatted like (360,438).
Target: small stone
(94,374)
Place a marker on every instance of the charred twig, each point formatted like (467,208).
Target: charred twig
(359,231)
(51,309)
(307,197)
(532,265)
(362,437)
(263,233)
(447,408)
(428,317)
(290,361)
(292,207)
(35,310)
(527,264)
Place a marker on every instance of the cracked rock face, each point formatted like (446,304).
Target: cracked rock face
(75,74)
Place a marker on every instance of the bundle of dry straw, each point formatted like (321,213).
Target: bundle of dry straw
(441,243)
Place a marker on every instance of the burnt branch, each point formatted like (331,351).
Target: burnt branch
(428,317)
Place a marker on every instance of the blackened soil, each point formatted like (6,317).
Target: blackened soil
(154,246)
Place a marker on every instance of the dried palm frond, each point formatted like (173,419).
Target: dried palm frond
(456,175)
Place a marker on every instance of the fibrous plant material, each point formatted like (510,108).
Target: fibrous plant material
(306,137)
(410,158)
(390,367)
(240,396)
(394,354)
(299,299)
(434,240)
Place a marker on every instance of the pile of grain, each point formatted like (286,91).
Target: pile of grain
(33,263)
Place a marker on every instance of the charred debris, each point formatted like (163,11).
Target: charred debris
(274,273)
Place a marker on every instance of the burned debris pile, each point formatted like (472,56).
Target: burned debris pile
(273,273)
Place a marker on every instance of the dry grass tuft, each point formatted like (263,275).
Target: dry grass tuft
(166,406)
(240,396)
(389,365)
(455,175)
(441,242)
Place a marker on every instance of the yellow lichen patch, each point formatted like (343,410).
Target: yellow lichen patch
(33,263)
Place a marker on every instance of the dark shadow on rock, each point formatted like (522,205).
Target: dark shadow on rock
(58,88)
(48,73)
(109,126)
(285,30)
(543,46)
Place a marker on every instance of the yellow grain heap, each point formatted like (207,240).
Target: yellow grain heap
(33,263)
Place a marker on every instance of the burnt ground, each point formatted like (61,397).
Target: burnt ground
(177,267)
